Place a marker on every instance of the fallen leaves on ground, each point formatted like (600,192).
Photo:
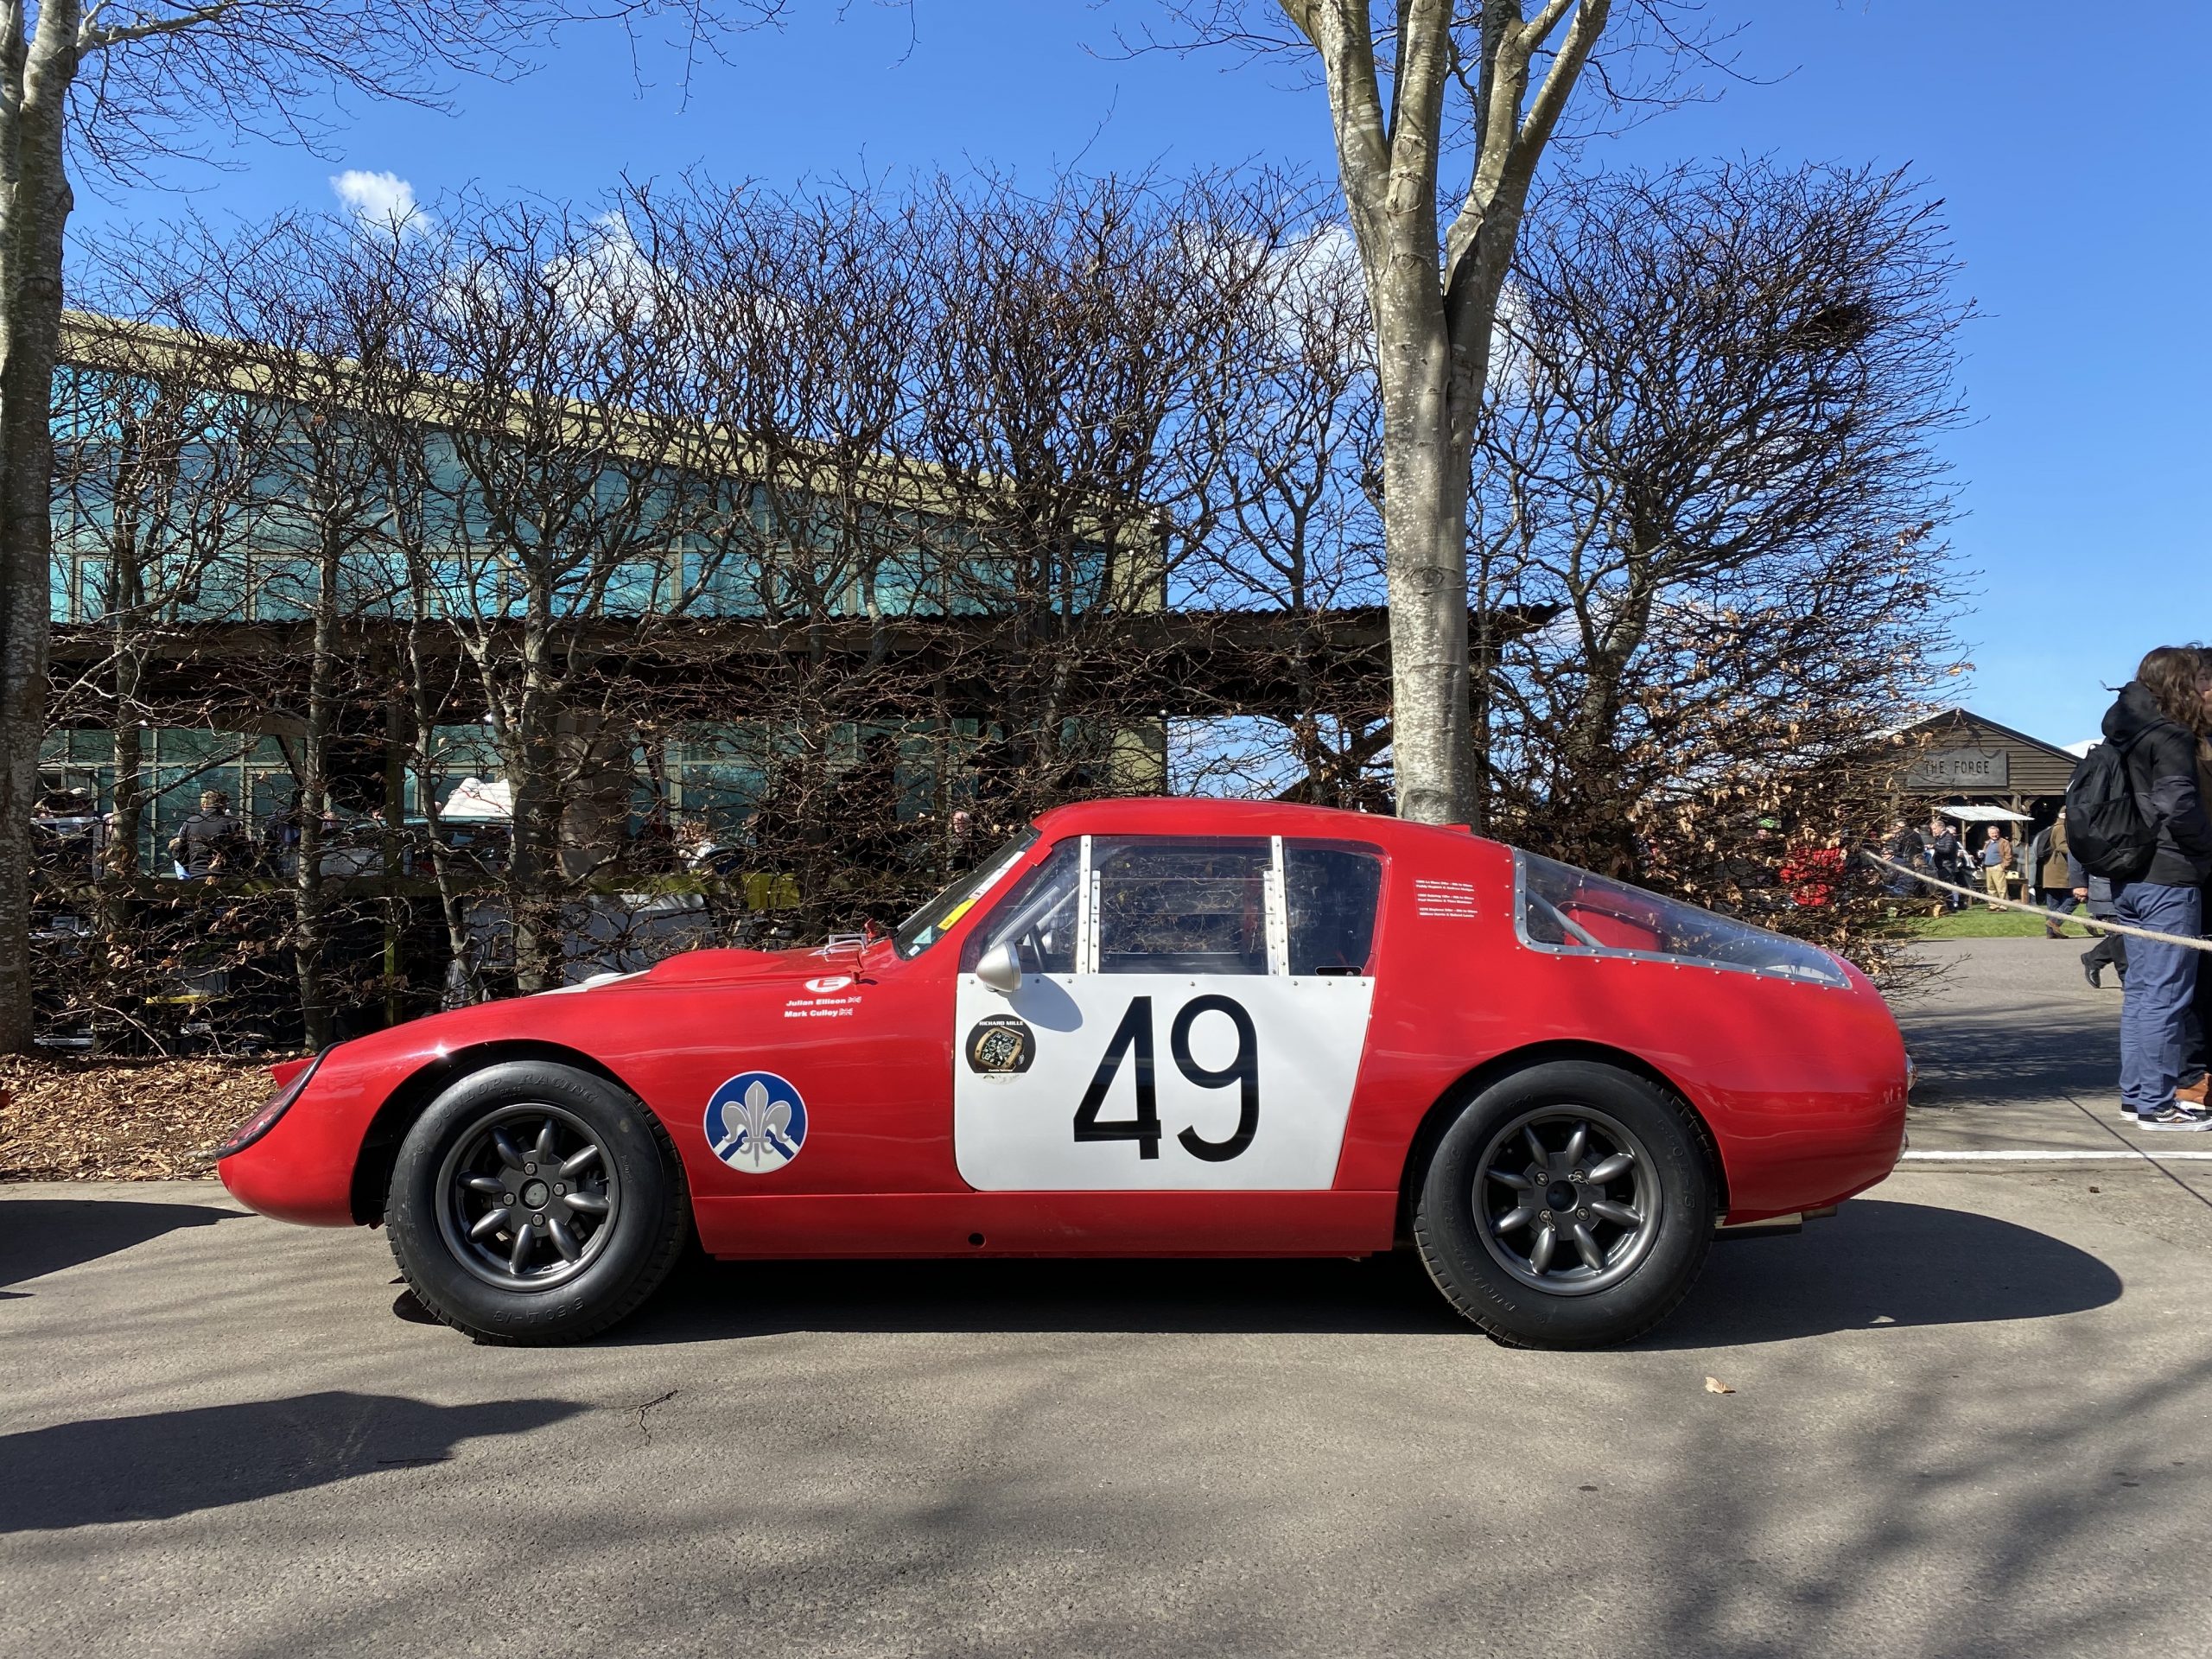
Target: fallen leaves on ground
(1714,1385)
(69,1119)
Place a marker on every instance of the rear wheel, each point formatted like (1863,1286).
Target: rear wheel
(1569,1205)
(535,1203)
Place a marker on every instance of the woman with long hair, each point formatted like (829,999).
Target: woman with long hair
(2158,722)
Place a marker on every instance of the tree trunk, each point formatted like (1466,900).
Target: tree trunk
(397,739)
(117,878)
(1424,482)
(36,207)
(310,922)
(530,750)
(1434,302)
(464,982)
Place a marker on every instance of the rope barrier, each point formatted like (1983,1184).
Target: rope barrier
(2043,911)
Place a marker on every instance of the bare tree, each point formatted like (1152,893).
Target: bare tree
(119,87)
(1299,528)
(1711,450)
(825,536)
(1425,83)
(154,495)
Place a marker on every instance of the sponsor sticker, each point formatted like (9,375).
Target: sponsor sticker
(999,1045)
(1445,900)
(756,1122)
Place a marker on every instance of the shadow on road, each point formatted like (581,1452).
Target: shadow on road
(43,1236)
(1978,1060)
(714,1300)
(1885,1264)
(171,1462)
(1906,1264)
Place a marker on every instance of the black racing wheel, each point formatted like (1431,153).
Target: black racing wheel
(535,1203)
(1569,1205)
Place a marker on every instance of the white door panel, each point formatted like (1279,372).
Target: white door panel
(1037,1106)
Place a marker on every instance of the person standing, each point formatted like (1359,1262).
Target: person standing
(206,842)
(2110,950)
(2155,723)
(1996,862)
(280,836)
(2197,1041)
(1907,847)
(2054,878)
(1948,858)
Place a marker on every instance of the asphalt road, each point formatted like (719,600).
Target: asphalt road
(1972,1414)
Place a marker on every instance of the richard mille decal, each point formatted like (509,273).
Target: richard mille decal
(1001,1045)
(756,1122)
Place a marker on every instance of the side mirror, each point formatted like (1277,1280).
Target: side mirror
(1000,968)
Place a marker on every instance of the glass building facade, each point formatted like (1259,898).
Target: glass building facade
(183,511)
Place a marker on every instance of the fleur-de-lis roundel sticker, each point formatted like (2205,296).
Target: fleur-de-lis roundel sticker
(756,1122)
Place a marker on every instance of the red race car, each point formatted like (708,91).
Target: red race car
(1146,1027)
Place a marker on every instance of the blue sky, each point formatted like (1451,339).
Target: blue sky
(2076,197)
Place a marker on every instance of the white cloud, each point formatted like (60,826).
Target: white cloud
(1315,278)
(1326,253)
(384,199)
(609,275)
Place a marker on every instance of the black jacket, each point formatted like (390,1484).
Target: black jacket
(206,840)
(2162,762)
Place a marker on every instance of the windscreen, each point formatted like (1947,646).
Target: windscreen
(926,926)
(1566,909)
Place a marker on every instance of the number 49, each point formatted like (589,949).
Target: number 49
(1135,1032)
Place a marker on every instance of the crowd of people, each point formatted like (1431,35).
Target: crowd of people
(211,842)
(2133,846)
(1990,858)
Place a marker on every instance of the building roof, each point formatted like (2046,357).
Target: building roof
(1958,712)
(2030,764)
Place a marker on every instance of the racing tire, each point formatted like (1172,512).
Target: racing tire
(533,1202)
(1567,1205)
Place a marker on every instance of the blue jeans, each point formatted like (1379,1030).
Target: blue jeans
(2161,980)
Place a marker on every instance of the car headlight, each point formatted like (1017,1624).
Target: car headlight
(278,1104)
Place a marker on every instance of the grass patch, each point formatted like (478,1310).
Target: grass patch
(1980,922)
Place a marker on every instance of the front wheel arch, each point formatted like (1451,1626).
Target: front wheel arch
(1446,1108)
(372,1165)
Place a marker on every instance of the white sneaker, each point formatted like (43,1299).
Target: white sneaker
(2176,1117)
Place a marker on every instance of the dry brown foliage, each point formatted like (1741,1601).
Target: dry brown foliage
(117,1120)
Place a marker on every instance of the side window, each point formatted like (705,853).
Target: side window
(1563,908)
(1182,906)
(1039,917)
(1330,893)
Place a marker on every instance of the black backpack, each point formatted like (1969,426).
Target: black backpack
(2106,829)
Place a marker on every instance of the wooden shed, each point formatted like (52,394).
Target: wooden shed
(1958,756)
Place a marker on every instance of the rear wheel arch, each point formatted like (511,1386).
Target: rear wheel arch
(1446,1108)
(372,1166)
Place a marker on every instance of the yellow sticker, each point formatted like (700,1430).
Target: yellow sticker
(958,911)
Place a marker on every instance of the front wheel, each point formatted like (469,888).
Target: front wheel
(1569,1205)
(534,1203)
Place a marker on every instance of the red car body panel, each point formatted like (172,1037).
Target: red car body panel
(1800,1086)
